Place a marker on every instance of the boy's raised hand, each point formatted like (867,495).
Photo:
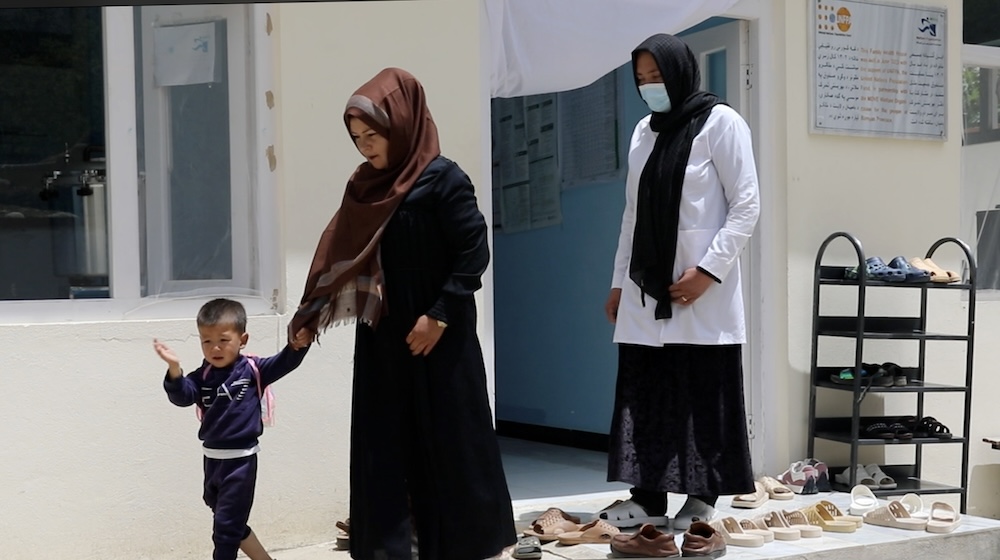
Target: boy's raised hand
(167,355)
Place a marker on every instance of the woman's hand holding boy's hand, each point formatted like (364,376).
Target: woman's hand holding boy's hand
(167,355)
(302,339)
(424,336)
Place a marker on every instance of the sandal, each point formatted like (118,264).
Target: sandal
(871,374)
(754,500)
(818,515)
(862,476)
(838,515)
(548,529)
(876,269)
(894,515)
(527,548)
(884,481)
(798,520)
(863,500)
(734,535)
(629,514)
(943,518)
(900,431)
(914,506)
(878,430)
(751,528)
(556,513)
(597,531)
(929,427)
(776,490)
(776,524)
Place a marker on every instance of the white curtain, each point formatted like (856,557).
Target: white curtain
(544,46)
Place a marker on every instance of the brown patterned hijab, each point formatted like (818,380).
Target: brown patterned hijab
(345,279)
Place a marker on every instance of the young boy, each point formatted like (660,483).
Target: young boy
(225,389)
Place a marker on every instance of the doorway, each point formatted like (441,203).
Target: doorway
(555,362)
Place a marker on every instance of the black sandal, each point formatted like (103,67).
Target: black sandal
(929,427)
(878,430)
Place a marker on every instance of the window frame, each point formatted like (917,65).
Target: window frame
(124,233)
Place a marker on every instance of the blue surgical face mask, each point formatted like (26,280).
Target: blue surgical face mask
(656,97)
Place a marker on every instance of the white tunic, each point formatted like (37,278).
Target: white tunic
(718,212)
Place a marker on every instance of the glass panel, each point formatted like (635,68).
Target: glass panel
(53,210)
(981,22)
(981,171)
(185,152)
(200,216)
(715,73)
(981,104)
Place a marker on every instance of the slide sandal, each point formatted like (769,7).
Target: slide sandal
(894,515)
(914,506)
(548,529)
(597,531)
(629,514)
(876,269)
(863,500)
(884,481)
(775,489)
(754,500)
(527,548)
(943,518)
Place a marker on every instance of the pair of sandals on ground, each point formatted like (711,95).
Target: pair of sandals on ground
(915,270)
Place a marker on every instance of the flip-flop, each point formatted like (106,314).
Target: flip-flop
(629,514)
(750,501)
(894,515)
(943,518)
(863,500)
(527,548)
(597,531)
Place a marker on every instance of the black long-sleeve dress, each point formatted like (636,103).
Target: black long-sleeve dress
(422,438)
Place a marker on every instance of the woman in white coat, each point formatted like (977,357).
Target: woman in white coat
(676,300)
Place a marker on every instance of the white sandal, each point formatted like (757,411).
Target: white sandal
(884,481)
(630,514)
(863,500)
(861,474)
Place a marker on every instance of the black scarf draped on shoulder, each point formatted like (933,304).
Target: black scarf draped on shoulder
(654,241)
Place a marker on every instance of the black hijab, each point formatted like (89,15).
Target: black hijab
(654,241)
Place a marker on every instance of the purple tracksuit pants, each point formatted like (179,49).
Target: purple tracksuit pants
(229,488)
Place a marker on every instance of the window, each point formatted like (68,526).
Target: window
(53,216)
(980,219)
(128,143)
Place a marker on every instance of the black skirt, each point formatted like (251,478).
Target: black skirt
(679,423)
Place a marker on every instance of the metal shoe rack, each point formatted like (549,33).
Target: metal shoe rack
(861,328)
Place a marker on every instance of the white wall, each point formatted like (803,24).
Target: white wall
(94,461)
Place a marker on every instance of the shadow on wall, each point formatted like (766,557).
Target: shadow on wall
(985,501)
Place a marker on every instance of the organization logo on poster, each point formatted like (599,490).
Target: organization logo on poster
(927,30)
(833,20)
